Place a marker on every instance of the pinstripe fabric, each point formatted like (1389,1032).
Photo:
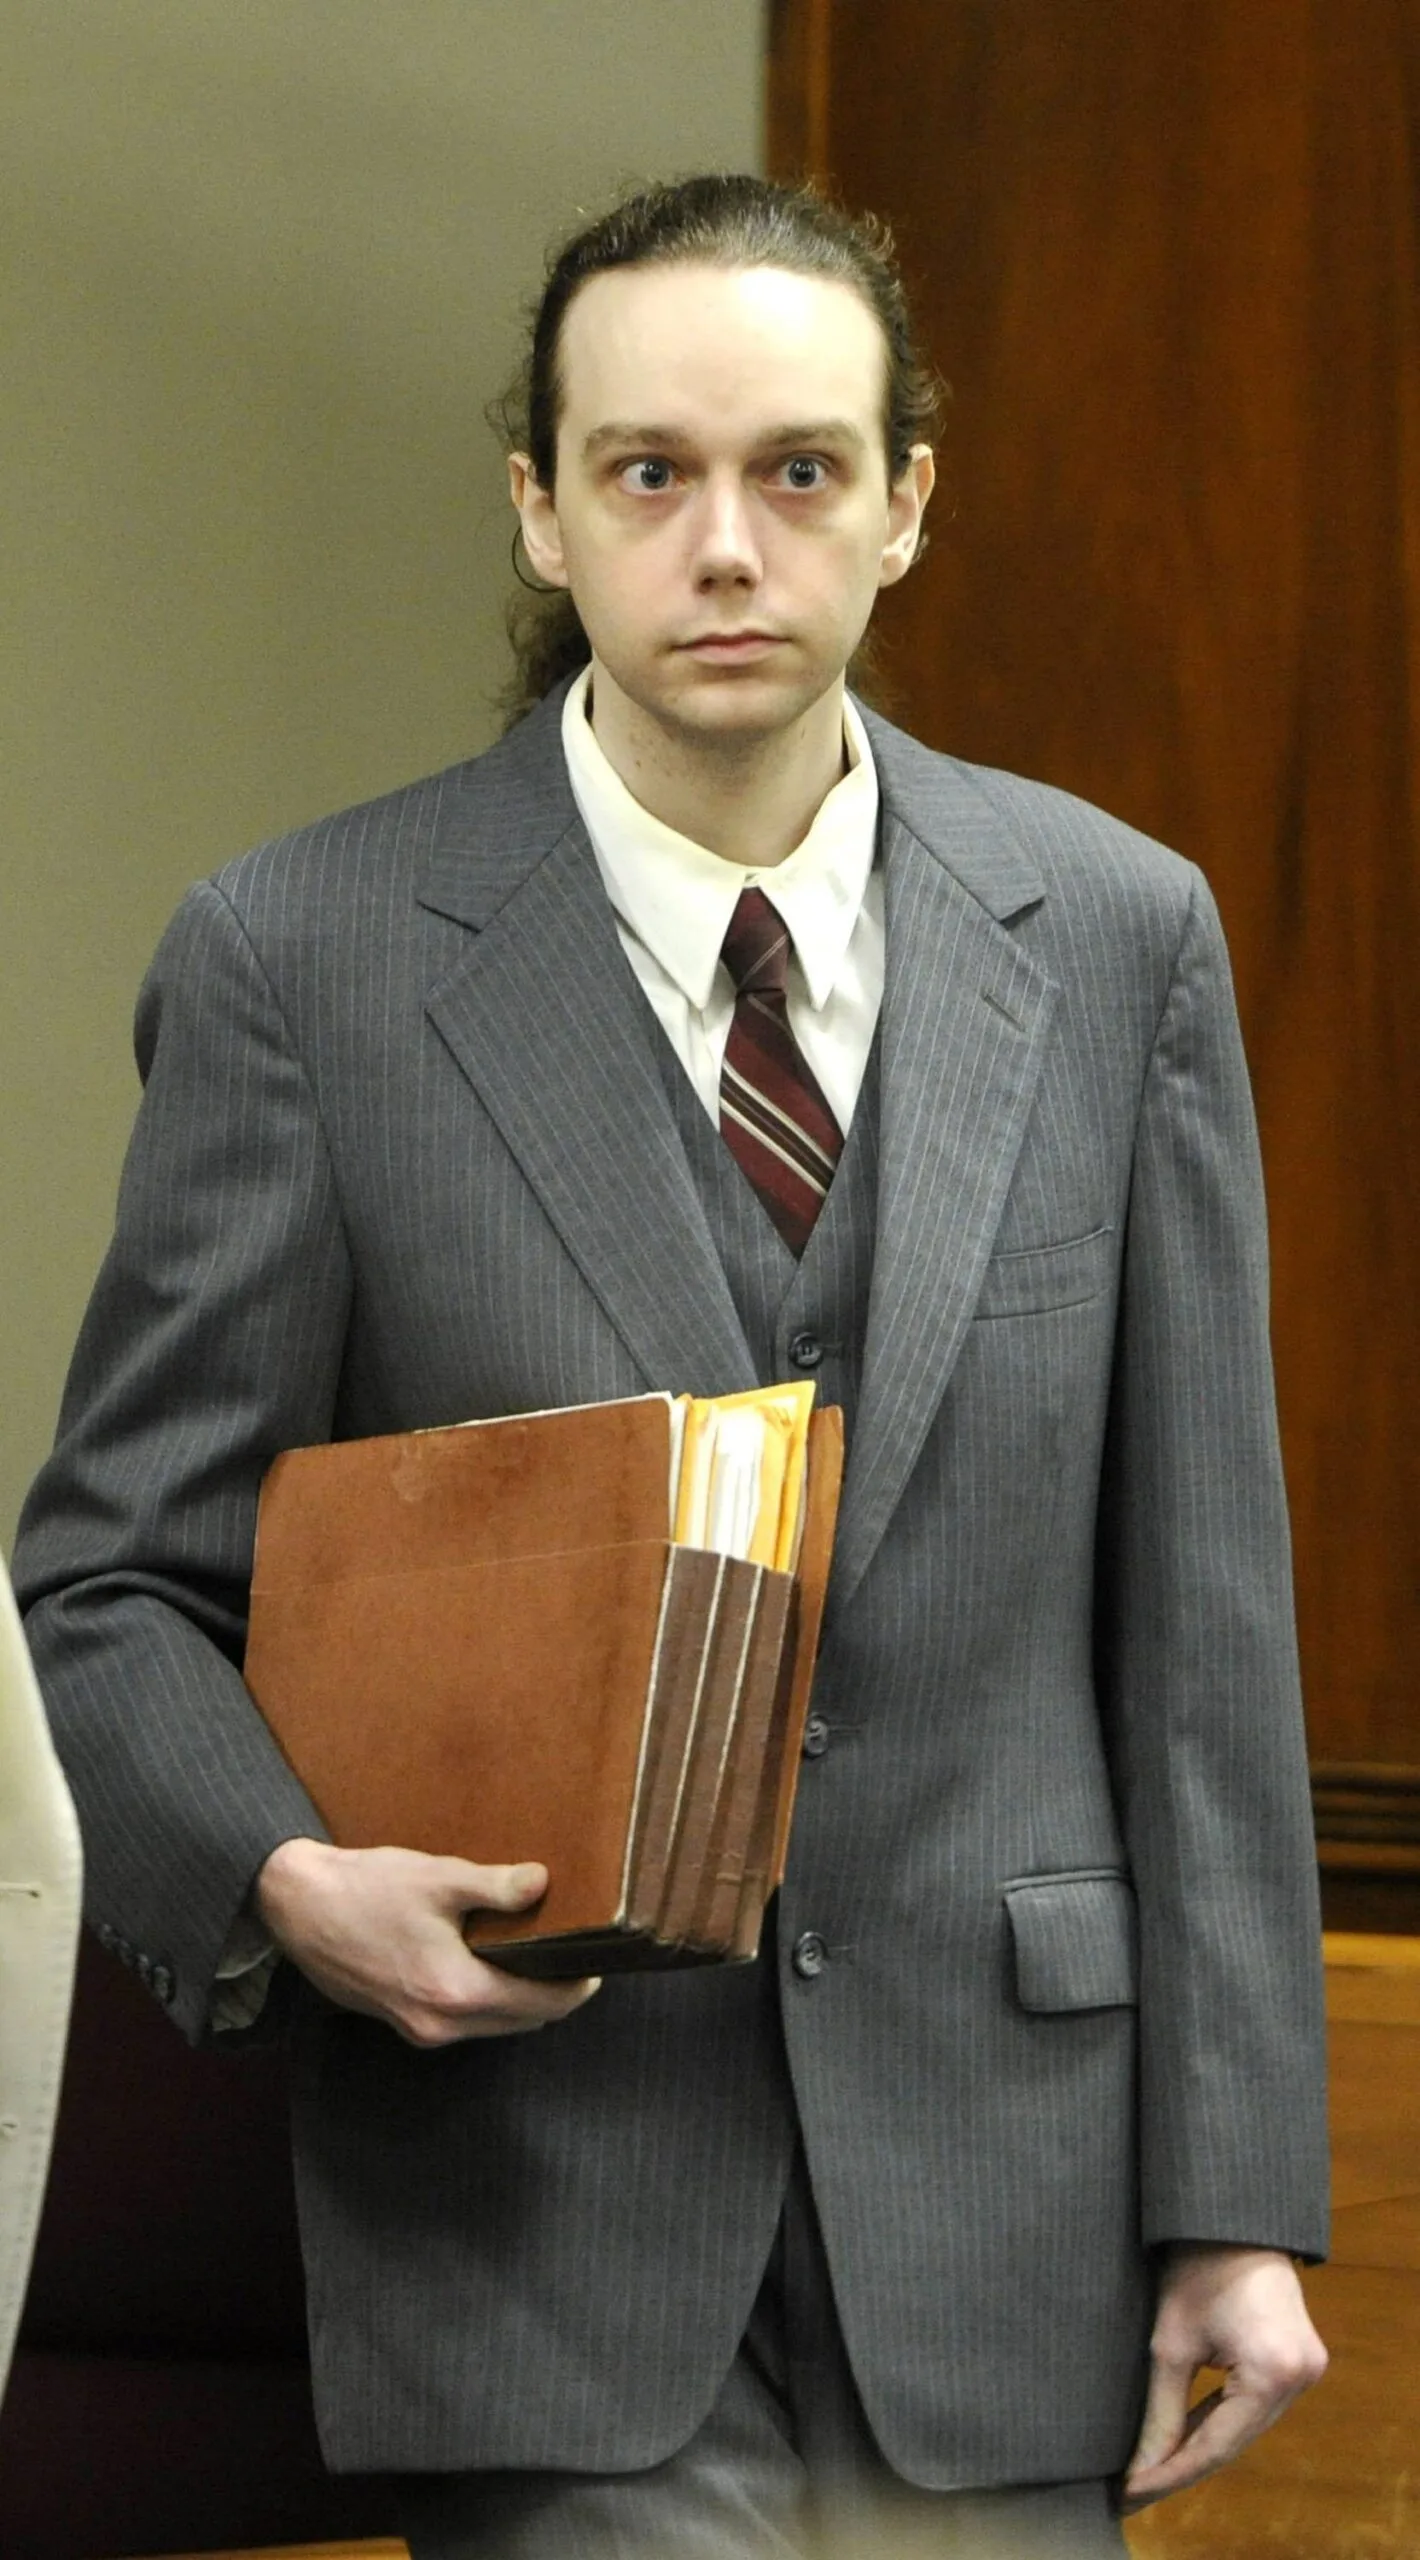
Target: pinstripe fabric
(363,1194)
(783,2468)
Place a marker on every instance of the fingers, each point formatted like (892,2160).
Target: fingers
(514,2005)
(1204,2442)
(465,1995)
(381,1931)
(1165,2416)
(484,2000)
(1216,2432)
(1178,2446)
(445,1994)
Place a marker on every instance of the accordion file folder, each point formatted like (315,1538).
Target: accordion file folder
(481,1641)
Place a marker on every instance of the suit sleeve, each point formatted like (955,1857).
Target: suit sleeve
(1198,1660)
(213,1340)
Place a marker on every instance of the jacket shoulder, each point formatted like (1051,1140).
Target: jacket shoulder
(371,847)
(1013,839)
(1077,843)
(380,851)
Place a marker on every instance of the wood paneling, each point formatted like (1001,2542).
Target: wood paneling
(1368,1842)
(800,70)
(1167,258)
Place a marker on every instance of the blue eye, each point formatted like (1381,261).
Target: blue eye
(650,475)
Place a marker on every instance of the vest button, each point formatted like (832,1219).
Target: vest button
(815,1741)
(806,1350)
(810,1956)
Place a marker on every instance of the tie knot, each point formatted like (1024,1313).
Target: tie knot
(756,948)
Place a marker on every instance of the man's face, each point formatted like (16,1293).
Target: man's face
(722,512)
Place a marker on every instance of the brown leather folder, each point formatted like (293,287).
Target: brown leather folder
(480,1641)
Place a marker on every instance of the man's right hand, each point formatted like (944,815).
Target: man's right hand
(381,1931)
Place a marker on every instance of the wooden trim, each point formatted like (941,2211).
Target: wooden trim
(1350,1947)
(381,2549)
(799,89)
(1367,1816)
(1369,1857)
(1372,1981)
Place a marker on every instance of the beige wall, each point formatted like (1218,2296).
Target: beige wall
(263,266)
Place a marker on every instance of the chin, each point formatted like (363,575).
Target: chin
(742,703)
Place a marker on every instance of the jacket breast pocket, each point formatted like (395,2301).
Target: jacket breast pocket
(1032,1281)
(1075,1941)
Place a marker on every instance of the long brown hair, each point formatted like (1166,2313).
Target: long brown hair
(723,221)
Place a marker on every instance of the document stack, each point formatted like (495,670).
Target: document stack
(584,1636)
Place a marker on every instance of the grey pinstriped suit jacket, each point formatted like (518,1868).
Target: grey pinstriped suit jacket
(405,1155)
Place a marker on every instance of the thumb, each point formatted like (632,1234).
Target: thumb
(511,1888)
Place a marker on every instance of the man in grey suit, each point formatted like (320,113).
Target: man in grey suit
(448,1113)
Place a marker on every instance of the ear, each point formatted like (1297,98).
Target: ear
(542,535)
(907,504)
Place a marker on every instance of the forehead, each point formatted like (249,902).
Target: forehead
(701,346)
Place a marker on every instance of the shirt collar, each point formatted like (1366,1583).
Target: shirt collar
(677,897)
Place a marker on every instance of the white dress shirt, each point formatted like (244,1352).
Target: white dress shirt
(673,900)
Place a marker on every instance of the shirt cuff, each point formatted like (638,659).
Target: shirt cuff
(244,1970)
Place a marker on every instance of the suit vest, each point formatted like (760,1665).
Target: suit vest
(802,1318)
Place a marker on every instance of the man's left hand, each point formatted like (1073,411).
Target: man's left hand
(1239,2309)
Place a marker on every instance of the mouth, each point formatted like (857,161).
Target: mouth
(730,648)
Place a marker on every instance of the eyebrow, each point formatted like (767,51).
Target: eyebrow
(661,439)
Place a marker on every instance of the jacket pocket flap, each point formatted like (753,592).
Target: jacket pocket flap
(1033,1281)
(1076,1941)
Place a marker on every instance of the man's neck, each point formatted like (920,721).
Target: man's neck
(750,800)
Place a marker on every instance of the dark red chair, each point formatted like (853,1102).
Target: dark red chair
(160,2395)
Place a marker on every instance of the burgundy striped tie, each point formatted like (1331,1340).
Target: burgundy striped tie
(773,1115)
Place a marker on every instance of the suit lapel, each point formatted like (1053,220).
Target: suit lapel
(965,1019)
(545,1018)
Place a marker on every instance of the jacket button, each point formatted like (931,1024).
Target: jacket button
(806,1350)
(164,1985)
(810,1956)
(815,1741)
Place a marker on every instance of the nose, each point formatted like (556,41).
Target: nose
(726,552)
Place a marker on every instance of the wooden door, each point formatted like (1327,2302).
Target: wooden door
(1167,258)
